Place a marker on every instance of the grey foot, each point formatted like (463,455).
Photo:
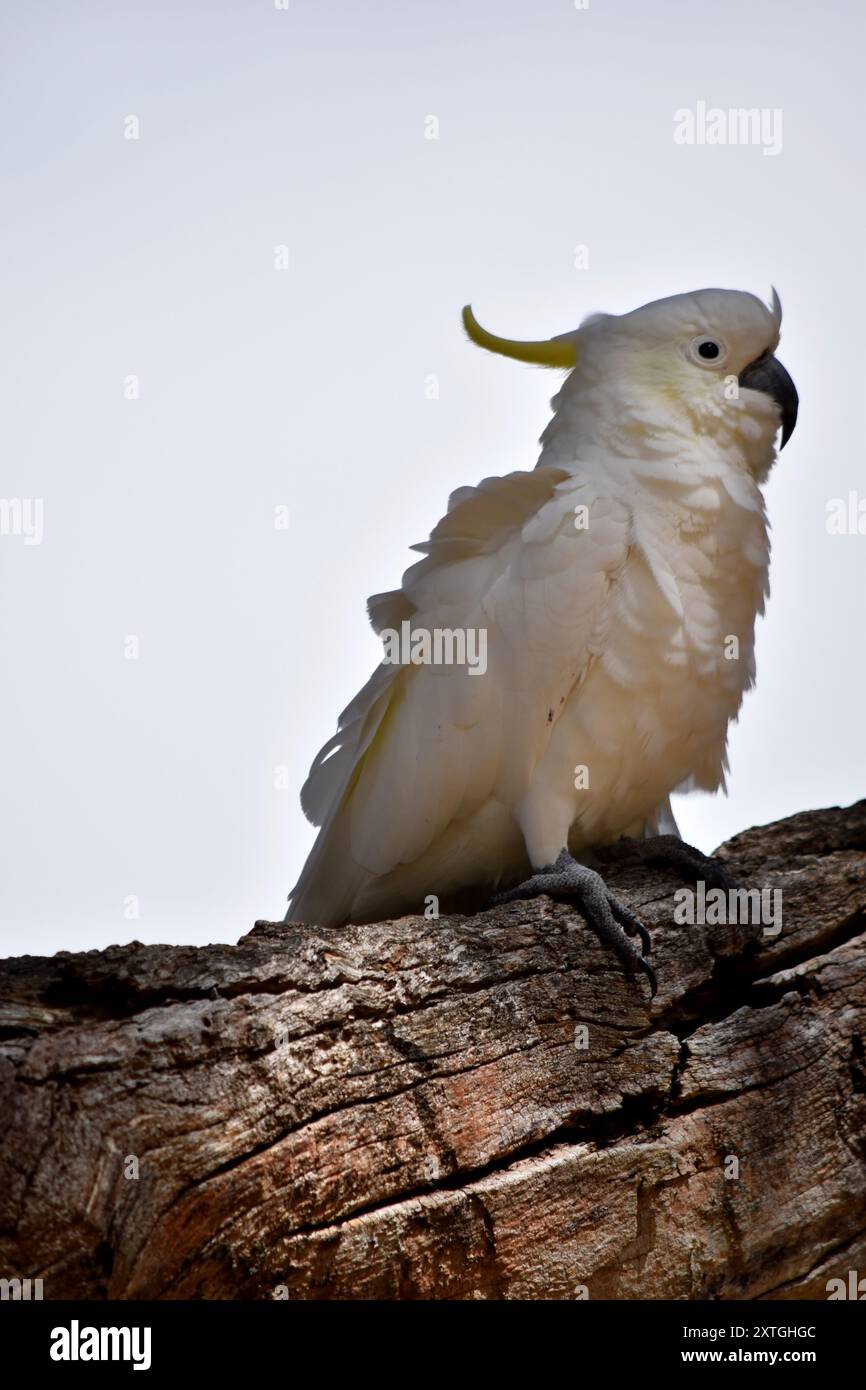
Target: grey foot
(669,849)
(609,918)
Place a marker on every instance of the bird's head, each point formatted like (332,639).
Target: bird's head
(696,363)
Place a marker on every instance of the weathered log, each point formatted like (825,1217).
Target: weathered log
(474,1107)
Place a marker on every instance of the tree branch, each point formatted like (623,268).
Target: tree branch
(478,1107)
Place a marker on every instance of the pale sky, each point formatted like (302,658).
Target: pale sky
(168,785)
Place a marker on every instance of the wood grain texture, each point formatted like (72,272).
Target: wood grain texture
(406,1110)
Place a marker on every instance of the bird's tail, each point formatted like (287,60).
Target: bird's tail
(331,879)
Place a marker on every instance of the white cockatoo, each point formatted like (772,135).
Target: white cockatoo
(609,599)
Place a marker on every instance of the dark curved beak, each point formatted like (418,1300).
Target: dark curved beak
(767,374)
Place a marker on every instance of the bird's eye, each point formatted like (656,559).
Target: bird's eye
(707,351)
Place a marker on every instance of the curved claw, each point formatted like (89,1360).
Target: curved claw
(650,974)
(632,924)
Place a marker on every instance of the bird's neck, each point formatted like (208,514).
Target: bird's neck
(714,435)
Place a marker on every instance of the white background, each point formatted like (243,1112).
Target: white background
(305,387)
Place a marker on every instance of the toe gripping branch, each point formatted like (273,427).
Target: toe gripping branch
(612,921)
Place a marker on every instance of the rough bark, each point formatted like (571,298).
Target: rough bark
(405,1110)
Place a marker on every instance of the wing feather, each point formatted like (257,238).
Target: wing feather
(422,748)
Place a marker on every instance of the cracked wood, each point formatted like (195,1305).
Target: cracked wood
(407,1110)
